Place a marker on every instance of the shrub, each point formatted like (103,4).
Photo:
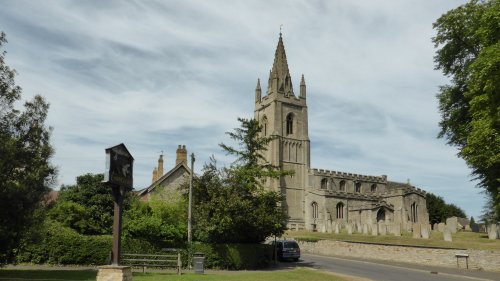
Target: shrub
(233,256)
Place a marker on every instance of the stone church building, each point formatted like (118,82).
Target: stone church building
(320,199)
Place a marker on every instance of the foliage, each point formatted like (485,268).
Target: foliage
(231,204)
(87,207)
(472,222)
(25,171)
(468,39)
(58,244)
(439,210)
(233,256)
(158,220)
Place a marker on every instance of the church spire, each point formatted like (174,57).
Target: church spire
(279,77)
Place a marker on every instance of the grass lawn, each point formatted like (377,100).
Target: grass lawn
(292,275)
(465,240)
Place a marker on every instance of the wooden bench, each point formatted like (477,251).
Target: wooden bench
(462,255)
(153,260)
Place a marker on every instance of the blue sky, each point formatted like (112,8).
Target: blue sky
(156,74)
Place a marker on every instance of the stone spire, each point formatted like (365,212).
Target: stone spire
(302,87)
(258,92)
(279,78)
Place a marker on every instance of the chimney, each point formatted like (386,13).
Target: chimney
(181,155)
(155,175)
(159,173)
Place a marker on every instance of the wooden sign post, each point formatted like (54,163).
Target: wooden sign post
(118,176)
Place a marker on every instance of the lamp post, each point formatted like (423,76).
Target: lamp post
(190,235)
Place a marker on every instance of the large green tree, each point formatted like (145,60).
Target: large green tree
(468,42)
(25,150)
(87,206)
(232,206)
(439,210)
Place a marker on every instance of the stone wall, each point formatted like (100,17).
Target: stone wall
(478,259)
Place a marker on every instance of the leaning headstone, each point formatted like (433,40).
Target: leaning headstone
(424,232)
(452,224)
(441,227)
(374,229)
(349,228)
(492,232)
(447,234)
(365,228)
(416,230)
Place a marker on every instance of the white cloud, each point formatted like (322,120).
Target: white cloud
(157,74)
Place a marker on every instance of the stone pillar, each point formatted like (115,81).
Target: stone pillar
(114,273)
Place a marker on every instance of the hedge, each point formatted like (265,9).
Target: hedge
(233,256)
(57,244)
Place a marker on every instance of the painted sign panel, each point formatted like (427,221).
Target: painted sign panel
(119,166)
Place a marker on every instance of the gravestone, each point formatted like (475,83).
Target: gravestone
(349,228)
(424,232)
(447,234)
(337,228)
(452,224)
(323,228)
(492,231)
(382,228)
(365,228)
(435,227)
(396,229)
(374,229)
(441,227)
(329,228)
(475,227)
(416,230)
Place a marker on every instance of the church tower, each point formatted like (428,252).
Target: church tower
(284,114)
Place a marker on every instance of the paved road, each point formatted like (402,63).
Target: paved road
(385,272)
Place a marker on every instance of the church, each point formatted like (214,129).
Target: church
(321,199)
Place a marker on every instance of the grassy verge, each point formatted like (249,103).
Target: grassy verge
(465,240)
(300,274)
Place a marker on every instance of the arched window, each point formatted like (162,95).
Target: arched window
(414,212)
(358,187)
(264,125)
(289,124)
(324,183)
(381,215)
(314,207)
(342,185)
(340,210)
(373,188)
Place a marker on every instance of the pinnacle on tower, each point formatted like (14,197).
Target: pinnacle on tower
(280,80)
(258,92)
(302,87)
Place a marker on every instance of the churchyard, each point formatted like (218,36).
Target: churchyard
(461,239)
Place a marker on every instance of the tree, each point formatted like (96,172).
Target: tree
(25,170)
(88,206)
(439,210)
(232,205)
(468,42)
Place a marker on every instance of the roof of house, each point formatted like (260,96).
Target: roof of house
(158,182)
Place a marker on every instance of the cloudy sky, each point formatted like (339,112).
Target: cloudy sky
(156,74)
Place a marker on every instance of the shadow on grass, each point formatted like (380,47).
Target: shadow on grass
(37,274)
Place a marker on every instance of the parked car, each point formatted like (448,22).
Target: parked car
(287,249)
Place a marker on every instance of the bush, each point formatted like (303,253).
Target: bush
(57,244)
(233,256)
